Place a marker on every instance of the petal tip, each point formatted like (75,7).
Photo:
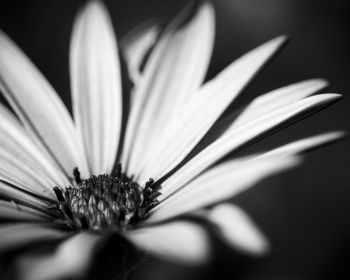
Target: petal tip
(333,96)
(94,9)
(280,41)
(319,83)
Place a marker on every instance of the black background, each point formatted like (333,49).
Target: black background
(305,212)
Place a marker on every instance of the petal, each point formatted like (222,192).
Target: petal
(289,149)
(14,236)
(38,106)
(96,86)
(205,108)
(71,259)
(243,135)
(219,183)
(263,104)
(236,228)
(174,71)
(17,142)
(306,144)
(21,175)
(14,211)
(11,192)
(136,44)
(177,241)
(279,98)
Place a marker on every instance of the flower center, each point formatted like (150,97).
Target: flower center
(106,202)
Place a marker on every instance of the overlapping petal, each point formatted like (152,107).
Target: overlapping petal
(204,108)
(14,211)
(16,194)
(135,46)
(173,73)
(243,135)
(23,176)
(17,142)
(39,107)
(219,183)
(262,104)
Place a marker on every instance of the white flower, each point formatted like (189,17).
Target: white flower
(175,134)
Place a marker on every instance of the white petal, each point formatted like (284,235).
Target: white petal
(14,211)
(244,134)
(96,86)
(173,73)
(263,104)
(71,259)
(16,172)
(13,236)
(305,144)
(27,198)
(220,183)
(38,106)
(289,149)
(177,241)
(135,46)
(237,229)
(19,174)
(205,108)
(279,98)
(17,142)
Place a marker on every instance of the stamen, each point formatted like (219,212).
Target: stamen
(76,174)
(106,202)
(59,194)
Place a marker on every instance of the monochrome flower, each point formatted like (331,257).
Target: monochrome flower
(62,178)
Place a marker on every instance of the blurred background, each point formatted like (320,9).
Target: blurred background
(305,212)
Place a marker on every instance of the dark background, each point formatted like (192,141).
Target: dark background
(305,212)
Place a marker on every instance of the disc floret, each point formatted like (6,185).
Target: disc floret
(106,202)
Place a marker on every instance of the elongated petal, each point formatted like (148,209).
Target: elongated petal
(16,194)
(237,229)
(244,134)
(205,108)
(261,105)
(289,149)
(71,259)
(306,144)
(38,106)
(96,86)
(15,172)
(24,176)
(219,183)
(136,45)
(177,241)
(17,142)
(14,211)
(14,236)
(279,98)
(173,73)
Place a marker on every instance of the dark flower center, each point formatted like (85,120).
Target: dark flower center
(105,202)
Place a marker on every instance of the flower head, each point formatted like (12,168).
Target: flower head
(62,178)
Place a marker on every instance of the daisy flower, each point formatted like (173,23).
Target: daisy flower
(134,163)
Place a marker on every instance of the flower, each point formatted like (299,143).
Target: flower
(59,177)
